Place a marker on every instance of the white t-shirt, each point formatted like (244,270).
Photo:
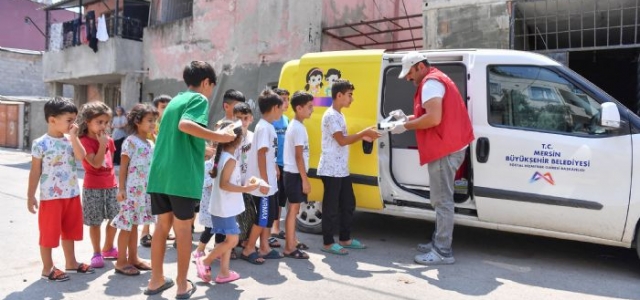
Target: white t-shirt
(242,153)
(264,136)
(432,89)
(334,159)
(296,135)
(59,178)
(224,203)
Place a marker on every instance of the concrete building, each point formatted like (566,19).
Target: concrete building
(600,40)
(248,41)
(109,70)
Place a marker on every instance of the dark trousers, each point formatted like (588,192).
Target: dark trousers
(116,154)
(338,205)
(206,236)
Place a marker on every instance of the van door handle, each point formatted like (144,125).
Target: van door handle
(482,150)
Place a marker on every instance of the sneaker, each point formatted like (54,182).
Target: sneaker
(433,258)
(111,254)
(97,261)
(197,254)
(425,247)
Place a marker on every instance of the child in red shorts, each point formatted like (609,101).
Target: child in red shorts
(53,166)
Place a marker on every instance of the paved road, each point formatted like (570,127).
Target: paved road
(490,264)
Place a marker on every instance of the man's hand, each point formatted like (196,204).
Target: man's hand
(399,115)
(306,187)
(398,128)
(121,196)
(103,138)
(32,204)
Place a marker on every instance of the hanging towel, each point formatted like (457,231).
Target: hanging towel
(102,34)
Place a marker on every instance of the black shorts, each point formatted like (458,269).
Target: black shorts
(281,195)
(293,188)
(266,210)
(183,208)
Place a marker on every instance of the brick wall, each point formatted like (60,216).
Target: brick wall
(21,74)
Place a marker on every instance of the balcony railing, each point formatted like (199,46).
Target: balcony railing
(74,33)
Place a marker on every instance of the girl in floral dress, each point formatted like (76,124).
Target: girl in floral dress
(134,202)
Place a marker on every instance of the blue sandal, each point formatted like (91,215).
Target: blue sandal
(355,244)
(335,249)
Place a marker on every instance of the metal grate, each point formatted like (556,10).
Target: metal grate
(575,24)
(165,11)
(366,34)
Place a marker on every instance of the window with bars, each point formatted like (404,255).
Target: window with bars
(166,11)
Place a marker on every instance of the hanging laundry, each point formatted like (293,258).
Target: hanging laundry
(90,20)
(102,33)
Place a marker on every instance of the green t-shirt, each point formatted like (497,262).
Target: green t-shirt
(177,167)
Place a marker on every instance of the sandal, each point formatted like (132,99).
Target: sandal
(110,254)
(145,241)
(233,276)
(168,283)
(273,243)
(355,244)
(433,258)
(335,249)
(204,271)
(273,254)
(188,293)
(128,271)
(302,246)
(142,266)
(81,269)
(281,235)
(297,254)
(252,258)
(56,275)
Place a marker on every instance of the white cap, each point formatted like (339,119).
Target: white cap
(408,60)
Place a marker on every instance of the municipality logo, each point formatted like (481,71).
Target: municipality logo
(546,176)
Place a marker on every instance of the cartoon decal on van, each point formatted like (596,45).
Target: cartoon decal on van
(314,84)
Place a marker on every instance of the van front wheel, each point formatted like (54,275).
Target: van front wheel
(309,218)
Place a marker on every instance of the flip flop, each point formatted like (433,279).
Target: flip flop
(168,283)
(252,258)
(56,275)
(81,269)
(355,244)
(335,249)
(204,272)
(273,254)
(188,294)
(233,276)
(297,254)
(142,266)
(128,271)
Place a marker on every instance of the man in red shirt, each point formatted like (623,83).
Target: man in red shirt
(443,132)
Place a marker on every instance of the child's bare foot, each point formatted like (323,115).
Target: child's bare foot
(141,264)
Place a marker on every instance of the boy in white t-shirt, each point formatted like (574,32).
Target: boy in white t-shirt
(242,112)
(338,201)
(262,165)
(296,166)
(54,167)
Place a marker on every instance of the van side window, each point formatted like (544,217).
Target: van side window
(532,97)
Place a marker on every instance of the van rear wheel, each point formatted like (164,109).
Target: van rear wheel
(309,218)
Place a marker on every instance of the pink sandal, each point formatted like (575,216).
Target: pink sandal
(204,272)
(233,276)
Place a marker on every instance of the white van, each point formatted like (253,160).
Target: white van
(553,154)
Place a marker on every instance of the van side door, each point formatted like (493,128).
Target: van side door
(542,161)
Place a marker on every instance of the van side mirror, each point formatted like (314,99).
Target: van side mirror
(609,115)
